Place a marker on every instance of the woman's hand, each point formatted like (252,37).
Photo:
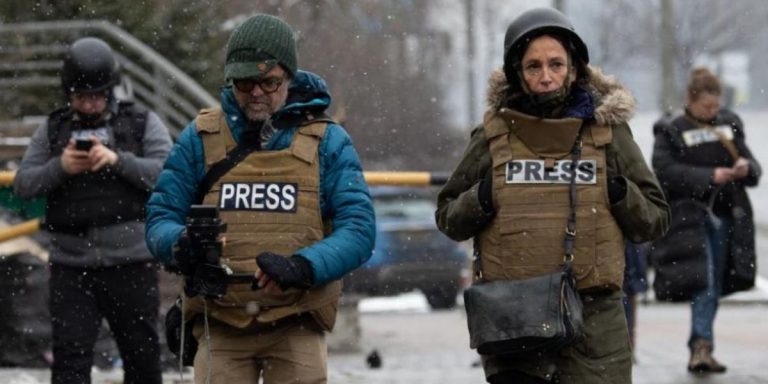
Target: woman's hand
(740,168)
(722,175)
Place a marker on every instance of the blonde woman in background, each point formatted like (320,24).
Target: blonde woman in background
(704,165)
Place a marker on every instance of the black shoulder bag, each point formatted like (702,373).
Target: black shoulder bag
(538,314)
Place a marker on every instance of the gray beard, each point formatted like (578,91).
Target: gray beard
(265,129)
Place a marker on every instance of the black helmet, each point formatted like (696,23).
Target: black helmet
(538,22)
(89,65)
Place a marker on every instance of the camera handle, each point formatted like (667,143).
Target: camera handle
(238,278)
(211,280)
(241,278)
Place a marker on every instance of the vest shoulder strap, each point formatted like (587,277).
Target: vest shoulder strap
(209,120)
(497,134)
(494,125)
(131,124)
(54,124)
(307,140)
(602,135)
(211,125)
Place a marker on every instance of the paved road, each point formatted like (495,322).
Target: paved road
(741,342)
(432,348)
(419,346)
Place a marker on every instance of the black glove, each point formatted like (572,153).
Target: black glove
(485,192)
(182,257)
(617,189)
(287,272)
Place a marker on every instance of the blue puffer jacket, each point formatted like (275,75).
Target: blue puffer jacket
(345,199)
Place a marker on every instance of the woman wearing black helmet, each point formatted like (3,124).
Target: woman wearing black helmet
(510,193)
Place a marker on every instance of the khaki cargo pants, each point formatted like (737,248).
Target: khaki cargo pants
(292,351)
(604,357)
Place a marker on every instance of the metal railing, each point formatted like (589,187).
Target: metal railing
(33,51)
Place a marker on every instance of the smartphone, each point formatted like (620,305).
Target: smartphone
(83,145)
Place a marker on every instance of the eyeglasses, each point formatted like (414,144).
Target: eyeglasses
(90,96)
(267,85)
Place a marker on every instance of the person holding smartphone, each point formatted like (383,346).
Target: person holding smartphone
(705,166)
(96,161)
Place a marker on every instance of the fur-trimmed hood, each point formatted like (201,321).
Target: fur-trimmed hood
(614,104)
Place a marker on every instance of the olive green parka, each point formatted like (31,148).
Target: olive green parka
(643,214)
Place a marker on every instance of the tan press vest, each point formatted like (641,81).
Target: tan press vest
(251,232)
(525,238)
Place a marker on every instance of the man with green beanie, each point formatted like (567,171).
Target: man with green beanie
(288,183)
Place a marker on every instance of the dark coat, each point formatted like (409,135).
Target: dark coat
(685,173)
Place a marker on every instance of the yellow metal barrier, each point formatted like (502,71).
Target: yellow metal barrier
(417,179)
(414,179)
(25,228)
(6,178)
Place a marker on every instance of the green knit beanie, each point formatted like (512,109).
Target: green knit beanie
(257,44)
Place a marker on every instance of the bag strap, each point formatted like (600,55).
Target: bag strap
(217,170)
(570,226)
(729,146)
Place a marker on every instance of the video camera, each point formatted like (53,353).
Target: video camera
(206,275)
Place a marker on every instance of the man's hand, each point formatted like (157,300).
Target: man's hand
(740,168)
(277,273)
(74,161)
(182,256)
(722,175)
(100,155)
(485,192)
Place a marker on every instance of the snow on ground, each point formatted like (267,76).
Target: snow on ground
(411,302)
